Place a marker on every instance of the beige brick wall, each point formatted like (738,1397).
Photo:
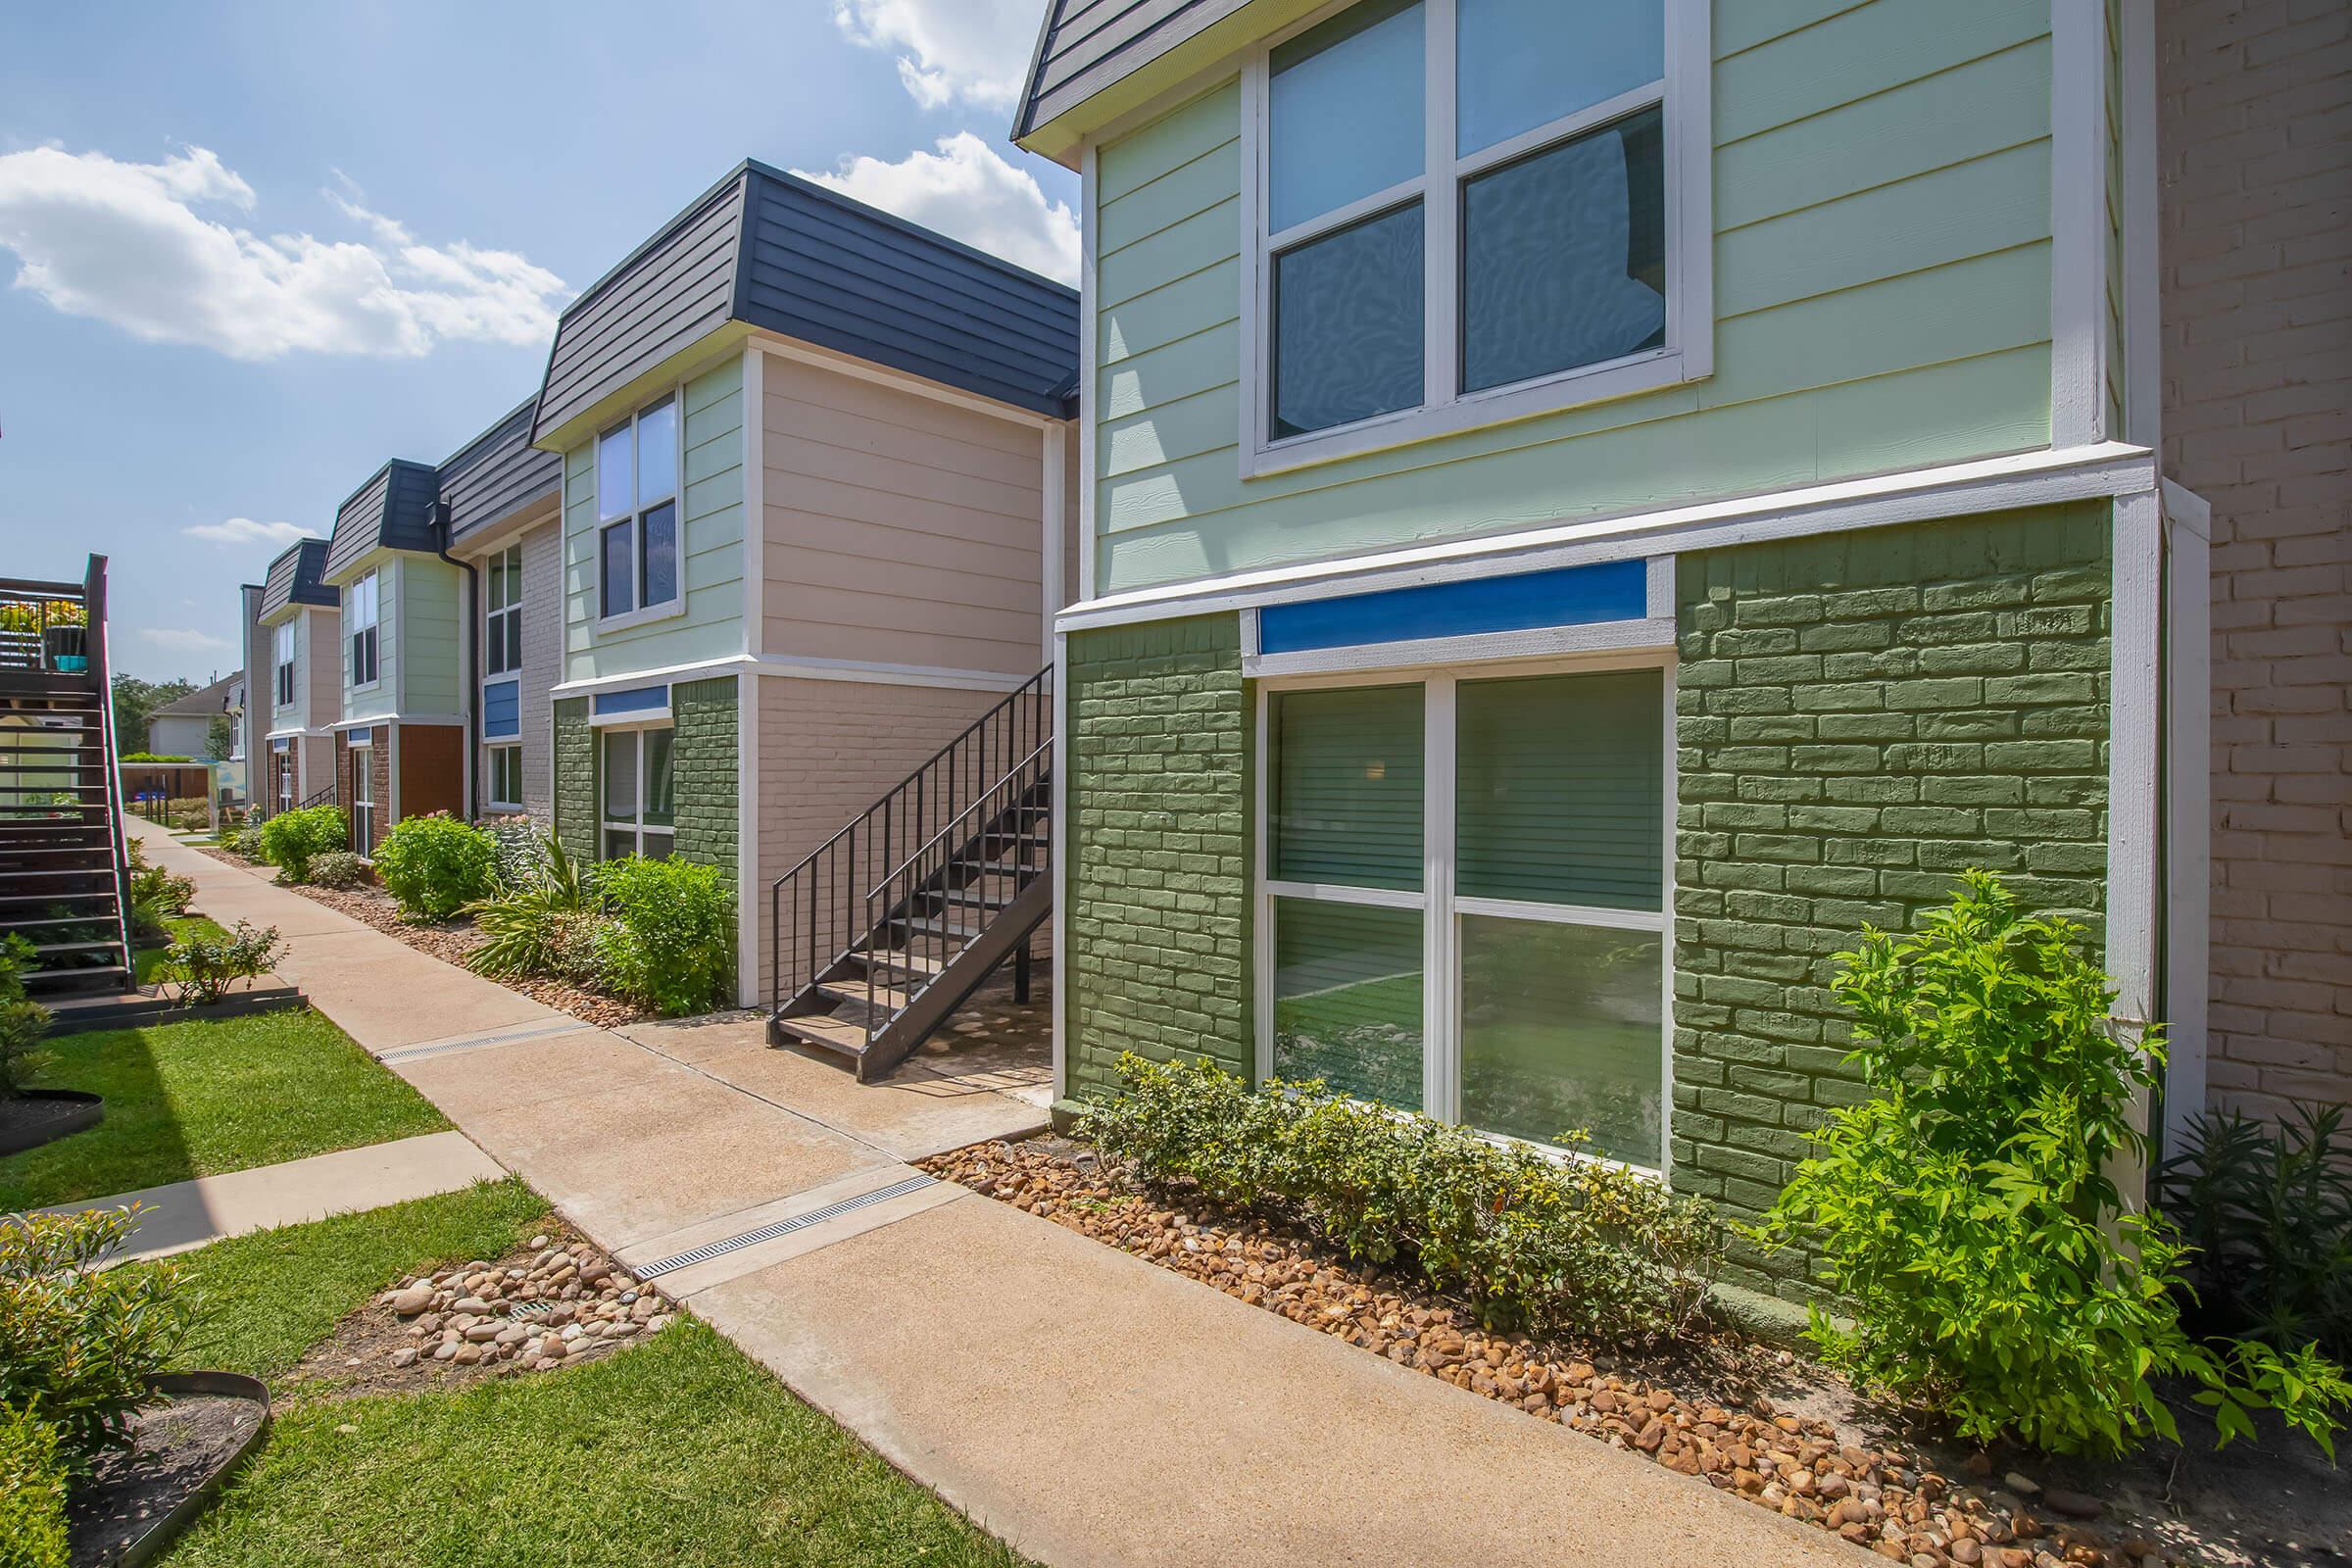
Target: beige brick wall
(2256,159)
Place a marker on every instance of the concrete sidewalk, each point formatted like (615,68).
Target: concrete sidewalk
(1086,1406)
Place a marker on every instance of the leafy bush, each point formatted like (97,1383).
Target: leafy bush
(291,839)
(338,868)
(669,946)
(155,886)
(32,1492)
(203,969)
(1965,1214)
(435,866)
(1549,1245)
(246,844)
(2267,1208)
(517,856)
(22,1021)
(152,757)
(544,922)
(78,1340)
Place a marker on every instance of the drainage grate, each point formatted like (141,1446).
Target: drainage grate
(782,1227)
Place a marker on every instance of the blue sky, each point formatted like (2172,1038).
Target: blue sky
(250,251)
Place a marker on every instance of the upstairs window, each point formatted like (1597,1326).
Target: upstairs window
(359,614)
(637,513)
(502,613)
(285,666)
(1470,211)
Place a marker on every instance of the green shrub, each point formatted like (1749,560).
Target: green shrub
(291,839)
(203,969)
(435,866)
(669,946)
(338,868)
(2267,1208)
(1965,1215)
(32,1492)
(544,921)
(1551,1245)
(22,1021)
(78,1340)
(518,855)
(156,885)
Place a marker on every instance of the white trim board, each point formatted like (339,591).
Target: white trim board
(2079,235)
(791,668)
(455,720)
(2103,470)
(2188,820)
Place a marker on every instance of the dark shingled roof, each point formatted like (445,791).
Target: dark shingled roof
(394,511)
(775,251)
(1086,45)
(295,579)
(498,473)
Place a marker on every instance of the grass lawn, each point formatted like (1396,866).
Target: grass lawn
(148,962)
(680,1450)
(198,1098)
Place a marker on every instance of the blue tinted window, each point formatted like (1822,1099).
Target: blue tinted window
(1348,314)
(1344,116)
(657,452)
(1520,63)
(620,574)
(661,553)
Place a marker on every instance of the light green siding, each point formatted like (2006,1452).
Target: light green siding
(289,715)
(427,672)
(382,699)
(1882,276)
(710,545)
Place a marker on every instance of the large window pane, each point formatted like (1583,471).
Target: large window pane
(661,527)
(619,569)
(660,803)
(1347,786)
(1562,789)
(1344,116)
(1348,313)
(1347,999)
(1561,1031)
(658,453)
(1564,256)
(1520,63)
(621,776)
(616,482)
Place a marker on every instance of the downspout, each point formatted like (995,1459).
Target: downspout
(471,701)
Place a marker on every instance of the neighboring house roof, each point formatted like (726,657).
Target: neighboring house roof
(295,579)
(1086,45)
(204,702)
(774,251)
(498,473)
(394,511)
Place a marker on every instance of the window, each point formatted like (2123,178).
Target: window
(637,511)
(505,777)
(358,614)
(502,612)
(283,761)
(285,666)
(1468,211)
(1465,901)
(363,800)
(635,778)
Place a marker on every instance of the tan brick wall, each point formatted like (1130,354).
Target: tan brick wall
(2254,125)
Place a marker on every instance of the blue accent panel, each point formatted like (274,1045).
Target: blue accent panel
(1568,596)
(636,700)
(502,709)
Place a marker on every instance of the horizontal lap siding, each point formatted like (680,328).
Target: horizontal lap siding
(382,700)
(1882,264)
(429,614)
(318,665)
(900,529)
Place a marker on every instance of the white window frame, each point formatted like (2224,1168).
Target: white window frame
(362,796)
(286,779)
(641,726)
(506,566)
(494,751)
(371,582)
(634,513)
(286,652)
(1687,354)
(1440,907)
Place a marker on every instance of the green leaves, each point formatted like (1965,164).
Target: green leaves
(291,839)
(435,866)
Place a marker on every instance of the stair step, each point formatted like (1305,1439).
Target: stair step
(93,971)
(830,1034)
(904,962)
(104,896)
(15,924)
(883,999)
(970,899)
(54,849)
(937,926)
(76,947)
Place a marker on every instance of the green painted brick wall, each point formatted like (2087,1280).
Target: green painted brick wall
(575,778)
(1861,716)
(1158,872)
(708,772)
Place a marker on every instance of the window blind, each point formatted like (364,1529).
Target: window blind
(1561,784)
(1347,782)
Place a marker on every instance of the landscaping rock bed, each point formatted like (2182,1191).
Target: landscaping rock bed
(555,1302)
(1812,1454)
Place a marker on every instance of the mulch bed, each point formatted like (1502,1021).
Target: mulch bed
(555,1302)
(27,1121)
(176,1448)
(451,943)
(1762,1425)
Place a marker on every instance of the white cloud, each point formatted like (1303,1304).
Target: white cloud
(246,531)
(183,642)
(966,190)
(122,242)
(969,51)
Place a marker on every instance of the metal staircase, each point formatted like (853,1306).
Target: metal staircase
(890,925)
(63,879)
